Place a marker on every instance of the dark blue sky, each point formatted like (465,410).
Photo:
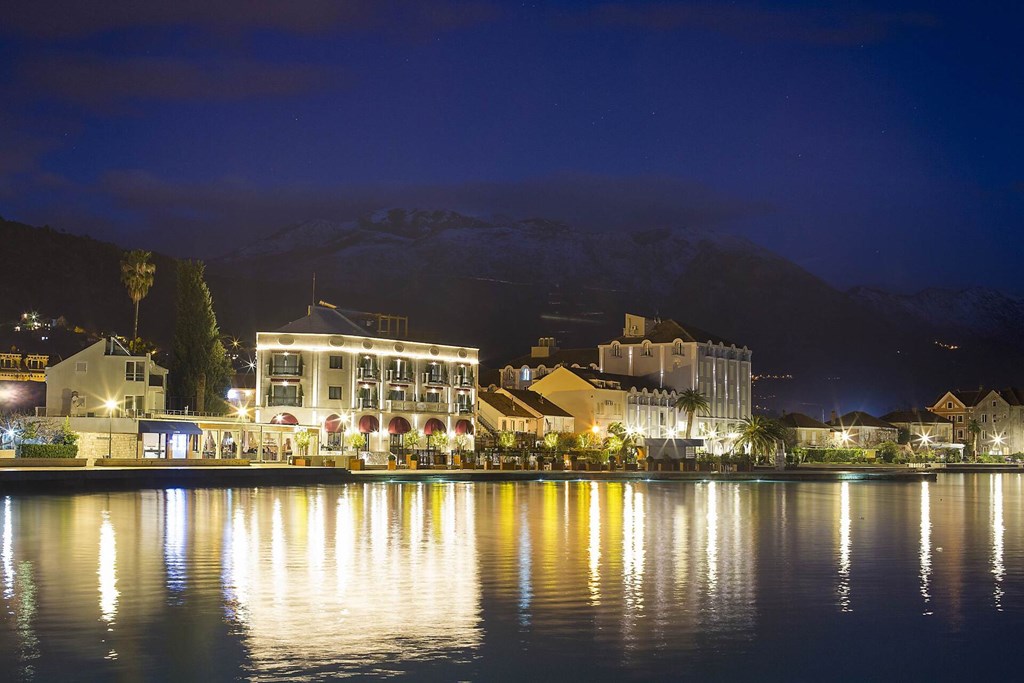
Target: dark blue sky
(871,143)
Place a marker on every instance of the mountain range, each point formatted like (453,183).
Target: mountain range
(500,283)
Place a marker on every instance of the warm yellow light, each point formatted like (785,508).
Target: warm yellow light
(595,429)
(242,411)
(110,404)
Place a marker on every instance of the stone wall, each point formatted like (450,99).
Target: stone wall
(94,445)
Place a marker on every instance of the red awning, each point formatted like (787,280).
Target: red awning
(284,419)
(463,427)
(398,425)
(368,423)
(334,424)
(433,425)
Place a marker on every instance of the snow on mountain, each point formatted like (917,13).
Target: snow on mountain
(429,244)
(977,310)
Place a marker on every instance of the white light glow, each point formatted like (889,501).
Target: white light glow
(107,571)
(844,547)
(998,568)
(926,547)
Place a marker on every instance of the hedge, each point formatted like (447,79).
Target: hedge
(47,450)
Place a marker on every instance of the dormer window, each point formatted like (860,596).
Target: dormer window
(616,351)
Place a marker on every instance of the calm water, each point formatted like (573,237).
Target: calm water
(810,581)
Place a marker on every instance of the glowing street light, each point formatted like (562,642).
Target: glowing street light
(110,405)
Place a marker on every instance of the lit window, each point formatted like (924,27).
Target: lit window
(336,363)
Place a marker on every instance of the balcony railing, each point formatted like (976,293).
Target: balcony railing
(464,408)
(368,374)
(400,376)
(462,381)
(290,401)
(363,403)
(435,378)
(401,406)
(284,370)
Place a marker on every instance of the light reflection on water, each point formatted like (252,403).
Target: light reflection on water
(505,581)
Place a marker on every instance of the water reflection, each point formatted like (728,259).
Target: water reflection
(844,547)
(998,569)
(7,552)
(926,546)
(461,581)
(107,571)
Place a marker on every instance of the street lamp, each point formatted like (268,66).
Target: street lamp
(110,406)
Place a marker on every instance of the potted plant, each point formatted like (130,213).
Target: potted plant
(414,462)
(392,461)
(302,439)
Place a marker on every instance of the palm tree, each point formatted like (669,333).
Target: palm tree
(137,276)
(692,402)
(974,429)
(760,435)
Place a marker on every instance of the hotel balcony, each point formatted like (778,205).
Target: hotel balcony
(464,408)
(400,376)
(368,374)
(290,401)
(401,406)
(435,378)
(284,370)
(463,381)
(363,403)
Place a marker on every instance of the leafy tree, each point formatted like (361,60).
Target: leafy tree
(761,436)
(137,274)
(64,434)
(356,441)
(888,451)
(974,429)
(412,439)
(302,439)
(438,441)
(506,440)
(460,442)
(692,402)
(551,441)
(201,371)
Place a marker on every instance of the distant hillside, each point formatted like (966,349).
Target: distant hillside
(57,273)
(500,284)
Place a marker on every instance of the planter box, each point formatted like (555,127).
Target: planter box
(356,464)
(557,465)
(44,462)
(414,465)
(508,466)
(392,465)
(631,467)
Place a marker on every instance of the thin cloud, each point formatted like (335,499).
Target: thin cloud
(75,18)
(748,22)
(98,81)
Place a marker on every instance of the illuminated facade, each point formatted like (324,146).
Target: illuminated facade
(82,385)
(1000,416)
(596,400)
(324,370)
(675,358)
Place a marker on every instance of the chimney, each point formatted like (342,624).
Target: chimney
(834,416)
(544,348)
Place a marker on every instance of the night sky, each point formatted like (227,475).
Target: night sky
(869,142)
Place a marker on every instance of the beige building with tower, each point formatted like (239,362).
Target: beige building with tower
(675,358)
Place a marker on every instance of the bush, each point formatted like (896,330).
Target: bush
(47,450)
(832,455)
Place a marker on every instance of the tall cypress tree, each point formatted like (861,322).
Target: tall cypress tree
(201,371)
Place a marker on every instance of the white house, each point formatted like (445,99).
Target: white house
(1000,416)
(83,384)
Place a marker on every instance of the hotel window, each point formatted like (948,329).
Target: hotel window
(336,363)
(616,351)
(133,405)
(135,371)
(524,374)
(334,393)
(396,394)
(677,349)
